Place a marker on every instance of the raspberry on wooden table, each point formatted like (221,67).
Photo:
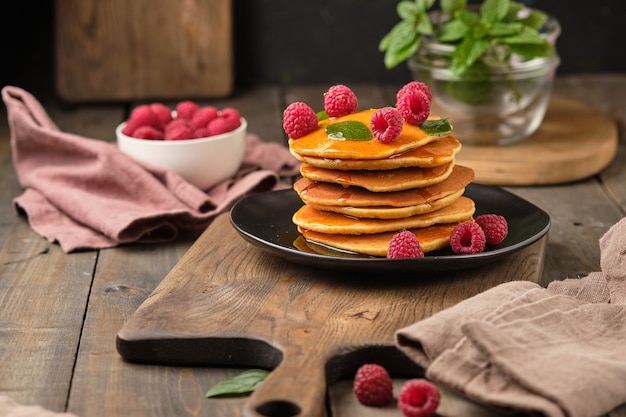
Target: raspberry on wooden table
(373,385)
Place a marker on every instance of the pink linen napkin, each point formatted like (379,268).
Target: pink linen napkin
(560,350)
(9,408)
(85,194)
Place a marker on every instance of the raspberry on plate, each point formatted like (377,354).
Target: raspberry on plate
(418,398)
(386,124)
(467,238)
(404,245)
(340,100)
(373,385)
(495,227)
(299,120)
(414,106)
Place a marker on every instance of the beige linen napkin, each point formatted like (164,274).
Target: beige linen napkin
(85,194)
(560,351)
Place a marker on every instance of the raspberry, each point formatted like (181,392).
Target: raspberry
(495,227)
(203,116)
(386,124)
(231,113)
(339,100)
(221,125)
(144,116)
(178,129)
(148,132)
(404,245)
(186,109)
(162,112)
(467,238)
(414,106)
(299,120)
(418,398)
(201,132)
(130,127)
(373,385)
(415,86)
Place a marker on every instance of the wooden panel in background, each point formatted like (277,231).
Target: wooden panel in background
(143,49)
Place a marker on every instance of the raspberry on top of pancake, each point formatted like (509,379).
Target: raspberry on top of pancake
(319,144)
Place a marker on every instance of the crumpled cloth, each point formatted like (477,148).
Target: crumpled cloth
(85,194)
(560,350)
(10,408)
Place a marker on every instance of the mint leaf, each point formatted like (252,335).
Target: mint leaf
(321,115)
(493,11)
(244,383)
(466,54)
(439,127)
(450,7)
(505,29)
(349,130)
(406,10)
(452,31)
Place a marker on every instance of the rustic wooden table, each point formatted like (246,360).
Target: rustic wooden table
(60,314)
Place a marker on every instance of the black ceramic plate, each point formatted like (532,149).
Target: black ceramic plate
(265,221)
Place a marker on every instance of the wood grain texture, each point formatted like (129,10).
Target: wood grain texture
(120,50)
(575,141)
(228,303)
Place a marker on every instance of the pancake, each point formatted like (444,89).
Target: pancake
(322,193)
(433,154)
(430,238)
(380,181)
(329,222)
(317,143)
(385,212)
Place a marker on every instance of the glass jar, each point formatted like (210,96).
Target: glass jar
(489,104)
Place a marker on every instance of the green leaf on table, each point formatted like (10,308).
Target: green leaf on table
(242,384)
(349,130)
(437,127)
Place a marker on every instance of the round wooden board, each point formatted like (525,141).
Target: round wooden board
(574,142)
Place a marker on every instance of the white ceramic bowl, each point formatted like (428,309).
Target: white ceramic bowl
(204,162)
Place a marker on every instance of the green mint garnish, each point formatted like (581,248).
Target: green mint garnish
(242,384)
(440,127)
(349,130)
(321,115)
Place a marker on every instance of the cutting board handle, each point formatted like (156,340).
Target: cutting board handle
(296,387)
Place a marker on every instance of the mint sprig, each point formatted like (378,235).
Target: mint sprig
(242,384)
(491,33)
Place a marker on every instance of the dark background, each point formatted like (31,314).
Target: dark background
(324,42)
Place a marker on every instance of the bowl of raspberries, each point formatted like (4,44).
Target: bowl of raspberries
(203,144)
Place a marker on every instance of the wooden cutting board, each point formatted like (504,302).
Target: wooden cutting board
(574,141)
(229,303)
(143,49)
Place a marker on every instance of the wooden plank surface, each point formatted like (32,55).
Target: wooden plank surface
(121,50)
(118,280)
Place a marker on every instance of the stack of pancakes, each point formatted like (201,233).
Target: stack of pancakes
(358,194)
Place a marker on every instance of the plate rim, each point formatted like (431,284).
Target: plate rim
(429,262)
